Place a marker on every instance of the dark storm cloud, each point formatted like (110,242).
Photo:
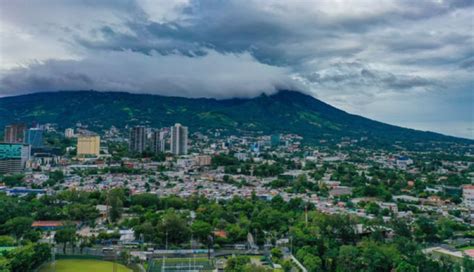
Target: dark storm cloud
(354,54)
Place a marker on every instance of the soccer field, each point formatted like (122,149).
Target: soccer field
(75,265)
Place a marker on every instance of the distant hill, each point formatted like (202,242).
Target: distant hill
(283,112)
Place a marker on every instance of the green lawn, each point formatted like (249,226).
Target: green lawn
(75,265)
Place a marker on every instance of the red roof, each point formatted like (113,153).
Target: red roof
(468,187)
(47,224)
(220,233)
(470,252)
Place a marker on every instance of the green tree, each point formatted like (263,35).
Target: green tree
(276,253)
(18,226)
(65,236)
(175,227)
(201,230)
(348,259)
(115,198)
(236,264)
(6,241)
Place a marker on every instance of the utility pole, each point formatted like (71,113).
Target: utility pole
(306,214)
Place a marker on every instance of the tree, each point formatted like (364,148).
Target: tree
(312,263)
(115,198)
(276,253)
(4,264)
(28,257)
(175,227)
(18,226)
(201,230)
(65,236)
(237,264)
(145,200)
(425,230)
(405,267)
(347,260)
(146,231)
(6,241)
(81,212)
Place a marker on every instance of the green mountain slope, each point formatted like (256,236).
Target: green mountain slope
(284,112)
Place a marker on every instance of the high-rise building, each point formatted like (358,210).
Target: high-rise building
(69,133)
(158,141)
(14,133)
(13,157)
(179,139)
(468,196)
(88,145)
(34,137)
(137,139)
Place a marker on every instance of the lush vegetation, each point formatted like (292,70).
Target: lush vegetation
(320,241)
(285,112)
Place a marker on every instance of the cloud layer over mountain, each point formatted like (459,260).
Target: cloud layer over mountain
(404,62)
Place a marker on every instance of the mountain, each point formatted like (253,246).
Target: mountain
(283,112)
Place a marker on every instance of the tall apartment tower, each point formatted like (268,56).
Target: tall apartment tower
(179,139)
(14,133)
(137,139)
(158,141)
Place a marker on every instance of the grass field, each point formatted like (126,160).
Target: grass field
(74,265)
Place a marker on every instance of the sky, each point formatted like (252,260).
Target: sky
(404,62)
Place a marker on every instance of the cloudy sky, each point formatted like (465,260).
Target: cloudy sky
(409,63)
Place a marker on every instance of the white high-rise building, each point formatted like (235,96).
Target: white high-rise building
(468,196)
(179,139)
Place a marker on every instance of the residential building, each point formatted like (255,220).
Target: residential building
(34,137)
(13,157)
(14,133)
(158,141)
(203,160)
(468,196)
(88,145)
(179,139)
(137,139)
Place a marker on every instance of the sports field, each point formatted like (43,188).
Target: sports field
(75,265)
(181,264)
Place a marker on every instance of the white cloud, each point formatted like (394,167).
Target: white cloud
(211,75)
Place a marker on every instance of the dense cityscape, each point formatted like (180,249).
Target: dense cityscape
(171,199)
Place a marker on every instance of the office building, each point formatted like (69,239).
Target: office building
(137,139)
(13,157)
(88,145)
(179,139)
(69,133)
(34,137)
(14,133)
